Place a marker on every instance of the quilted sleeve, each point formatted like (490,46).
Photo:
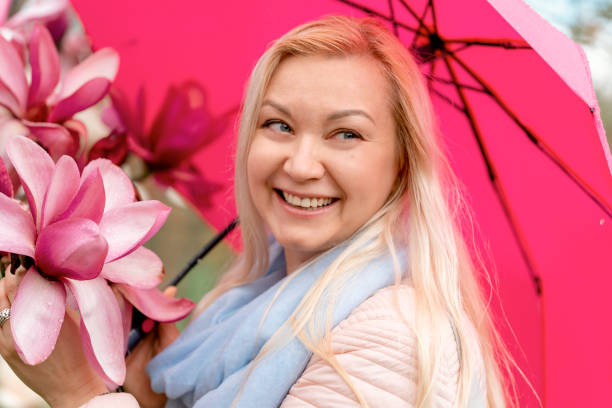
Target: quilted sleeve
(377,348)
(115,400)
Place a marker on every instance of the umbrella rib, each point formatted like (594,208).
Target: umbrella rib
(464,86)
(416,37)
(433,16)
(501,194)
(378,14)
(416,16)
(506,43)
(447,99)
(393,17)
(539,143)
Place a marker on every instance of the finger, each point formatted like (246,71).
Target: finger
(6,338)
(166,334)
(12,282)
(170,291)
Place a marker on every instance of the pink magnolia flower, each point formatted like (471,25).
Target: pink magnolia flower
(80,230)
(46,104)
(183,126)
(16,28)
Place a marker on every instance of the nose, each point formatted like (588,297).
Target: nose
(303,162)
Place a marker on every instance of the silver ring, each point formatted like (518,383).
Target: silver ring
(5,315)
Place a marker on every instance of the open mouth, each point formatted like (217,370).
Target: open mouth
(305,203)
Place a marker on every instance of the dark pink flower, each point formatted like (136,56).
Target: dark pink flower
(80,230)
(182,127)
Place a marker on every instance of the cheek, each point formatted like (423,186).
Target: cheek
(368,180)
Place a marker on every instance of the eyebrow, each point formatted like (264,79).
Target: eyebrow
(334,116)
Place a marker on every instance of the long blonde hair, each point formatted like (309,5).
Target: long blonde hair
(422,216)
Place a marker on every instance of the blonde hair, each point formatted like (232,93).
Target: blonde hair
(422,216)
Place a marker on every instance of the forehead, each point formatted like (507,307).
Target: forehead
(331,82)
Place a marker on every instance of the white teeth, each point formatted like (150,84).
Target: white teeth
(313,202)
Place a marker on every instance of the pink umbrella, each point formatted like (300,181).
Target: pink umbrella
(521,123)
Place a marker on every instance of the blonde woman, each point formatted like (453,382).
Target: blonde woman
(355,286)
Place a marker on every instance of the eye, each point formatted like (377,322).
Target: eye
(347,135)
(277,125)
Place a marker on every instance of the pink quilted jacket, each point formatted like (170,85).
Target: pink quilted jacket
(378,350)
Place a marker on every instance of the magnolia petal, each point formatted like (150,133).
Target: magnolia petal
(126,314)
(37,315)
(87,95)
(126,228)
(89,200)
(6,185)
(93,361)
(37,11)
(17,230)
(111,118)
(62,189)
(8,100)
(13,83)
(154,304)
(113,147)
(141,269)
(5,6)
(103,64)
(72,248)
(34,167)
(118,187)
(56,138)
(45,64)
(10,127)
(101,319)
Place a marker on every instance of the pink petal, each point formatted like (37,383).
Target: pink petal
(37,315)
(90,354)
(113,147)
(73,248)
(34,167)
(55,138)
(62,189)
(126,228)
(17,230)
(118,187)
(13,84)
(142,269)
(10,127)
(5,5)
(89,200)
(111,118)
(101,319)
(37,11)
(6,185)
(87,95)
(126,314)
(154,304)
(44,61)
(103,64)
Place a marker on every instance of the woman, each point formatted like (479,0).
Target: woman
(366,295)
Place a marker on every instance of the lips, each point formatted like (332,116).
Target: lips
(305,203)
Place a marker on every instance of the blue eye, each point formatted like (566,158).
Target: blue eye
(277,125)
(348,134)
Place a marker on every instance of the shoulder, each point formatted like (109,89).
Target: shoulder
(377,347)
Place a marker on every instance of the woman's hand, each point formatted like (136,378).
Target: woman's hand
(137,382)
(65,378)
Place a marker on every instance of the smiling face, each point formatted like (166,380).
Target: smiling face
(323,159)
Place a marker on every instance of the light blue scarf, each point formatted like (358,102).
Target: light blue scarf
(207,365)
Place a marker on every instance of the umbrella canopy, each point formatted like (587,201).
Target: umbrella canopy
(521,124)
